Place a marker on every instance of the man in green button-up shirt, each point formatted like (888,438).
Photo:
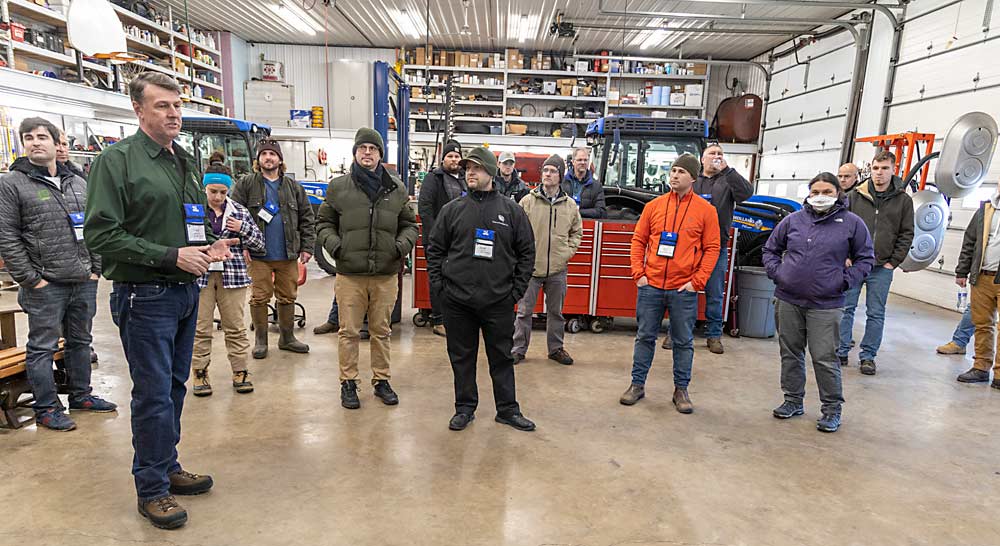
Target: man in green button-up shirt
(145,216)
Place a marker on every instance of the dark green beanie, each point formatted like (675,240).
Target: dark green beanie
(368,136)
(689,163)
(484,157)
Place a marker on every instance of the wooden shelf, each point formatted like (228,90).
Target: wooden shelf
(453,68)
(554,97)
(686,77)
(544,119)
(208,84)
(53,57)
(654,107)
(34,11)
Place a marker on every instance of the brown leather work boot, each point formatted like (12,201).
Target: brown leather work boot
(715,345)
(633,394)
(183,482)
(682,401)
(164,512)
(202,387)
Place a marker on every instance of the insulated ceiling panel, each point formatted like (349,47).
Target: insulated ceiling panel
(497,24)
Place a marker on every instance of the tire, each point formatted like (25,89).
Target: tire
(573,326)
(419,320)
(735,332)
(598,326)
(302,323)
(326,262)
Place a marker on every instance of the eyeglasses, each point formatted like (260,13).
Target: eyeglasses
(368,148)
(550,170)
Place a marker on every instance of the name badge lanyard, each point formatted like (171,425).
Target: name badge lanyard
(669,239)
(193,212)
(75,218)
(485,238)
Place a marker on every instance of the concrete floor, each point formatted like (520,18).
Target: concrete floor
(915,462)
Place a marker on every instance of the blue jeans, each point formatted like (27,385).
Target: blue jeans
(334,316)
(650,305)
(876,295)
(58,310)
(965,329)
(715,292)
(156,323)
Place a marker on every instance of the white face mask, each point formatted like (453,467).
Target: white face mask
(821,203)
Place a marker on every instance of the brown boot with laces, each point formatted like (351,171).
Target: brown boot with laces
(164,512)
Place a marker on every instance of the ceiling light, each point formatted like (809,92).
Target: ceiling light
(408,25)
(523,27)
(301,14)
(302,23)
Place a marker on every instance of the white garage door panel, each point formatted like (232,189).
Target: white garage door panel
(937,115)
(814,49)
(962,68)
(799,166)
(936,30)
(783,137)
(833,68)
(814,105)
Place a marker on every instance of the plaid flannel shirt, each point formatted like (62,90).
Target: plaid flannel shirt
(234,272)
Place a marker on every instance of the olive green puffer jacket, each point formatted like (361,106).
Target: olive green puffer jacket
(365,236)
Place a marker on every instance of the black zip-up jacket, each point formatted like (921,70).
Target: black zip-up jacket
(889,219)
(516,189)
(476,282)
(726,188)
(433,197)
(37,240)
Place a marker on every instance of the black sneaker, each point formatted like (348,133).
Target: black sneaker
(461,420)
(974,375)
(349,395)
(843,360)
(829,422)
(385,392)
(517,421)
(561,356)
(867,367)
(788,410)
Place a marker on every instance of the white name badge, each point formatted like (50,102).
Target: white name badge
(78,232)
(196,233)
(215,266)
(265,216)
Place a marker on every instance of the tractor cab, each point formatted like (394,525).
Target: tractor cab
(235,138)
(633,155)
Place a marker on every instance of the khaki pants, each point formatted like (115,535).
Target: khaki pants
(357,295)
(231,302)
(985,295)
(279,279)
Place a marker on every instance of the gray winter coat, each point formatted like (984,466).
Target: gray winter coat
(37,240)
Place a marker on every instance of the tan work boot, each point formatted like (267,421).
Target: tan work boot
(439,330)
(164,512)
(201,385)
(633,394)
(715,345)
(286,325)
(682,401)
(326,328)
(258,315)
(241,382)
(951,348)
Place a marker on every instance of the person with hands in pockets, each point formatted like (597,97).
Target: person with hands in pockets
(674,249)
(814,256)
(225,284)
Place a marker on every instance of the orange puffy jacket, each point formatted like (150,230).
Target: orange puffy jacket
(697,225)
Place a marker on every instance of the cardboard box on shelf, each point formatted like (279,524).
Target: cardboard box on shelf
(698,69)
(464,62)
(613,97)
(517,128)
(549,88)
(692,94)
(421,57)
(677,99)
(497,59)
(430,53)
(583,66)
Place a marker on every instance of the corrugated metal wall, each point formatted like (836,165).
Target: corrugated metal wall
(953,40)
(305,66)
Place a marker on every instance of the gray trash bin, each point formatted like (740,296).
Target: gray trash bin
(756,302)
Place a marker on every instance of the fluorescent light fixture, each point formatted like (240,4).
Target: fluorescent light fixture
(408,24)
(295,17)
(522,27)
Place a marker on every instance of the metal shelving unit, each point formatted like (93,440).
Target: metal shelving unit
(511,75)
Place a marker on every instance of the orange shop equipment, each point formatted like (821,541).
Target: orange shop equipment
(906,148)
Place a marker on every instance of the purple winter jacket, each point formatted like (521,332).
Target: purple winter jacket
(807,252)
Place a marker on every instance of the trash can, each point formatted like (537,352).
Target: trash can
(756,302)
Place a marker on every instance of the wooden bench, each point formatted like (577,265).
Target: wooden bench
(14,384)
